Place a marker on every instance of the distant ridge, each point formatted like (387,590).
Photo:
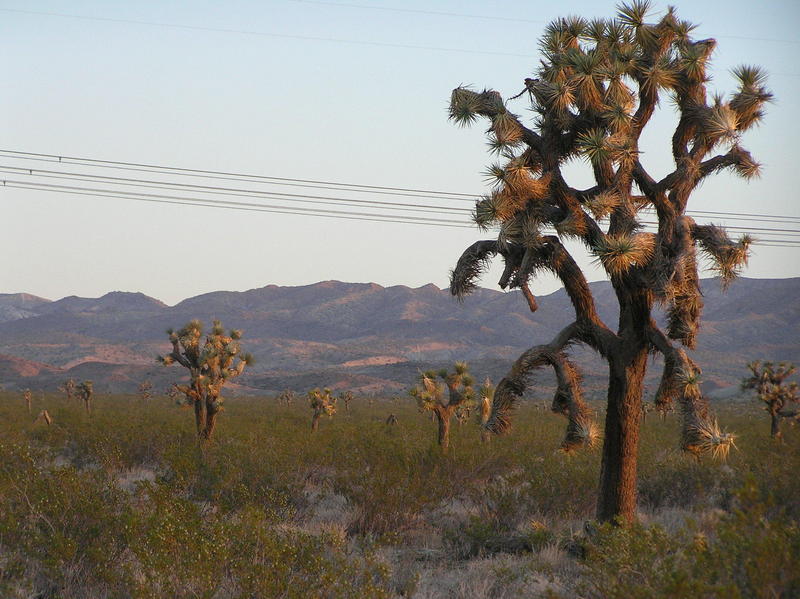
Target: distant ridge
(363,335)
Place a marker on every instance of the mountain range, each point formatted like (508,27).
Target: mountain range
(363,337)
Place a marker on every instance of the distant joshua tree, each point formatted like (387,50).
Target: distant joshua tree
(346,397)
(69,388)
(430,396)
(145,389)
(322,402)
(286,395)
(45,417)
(211,362)
(768,382)
(27,395)
(391,420)
(86,393)
(597,86)
(485,397)
(172,392)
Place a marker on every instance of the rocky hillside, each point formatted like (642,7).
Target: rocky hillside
(361,336)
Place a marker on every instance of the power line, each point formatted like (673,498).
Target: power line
(306,199)
(252,207)
(245,177)
(249,206)
(232,191)
(201,172)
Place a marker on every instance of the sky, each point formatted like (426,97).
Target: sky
(335,91)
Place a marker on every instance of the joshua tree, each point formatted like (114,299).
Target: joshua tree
(27,395)
(286,395)
(44,416)
(86,393)
(322,402)
(145,389)
(486,398)
(211,363)
(68,387)
(391,420)
(430,395)
(172,392)
(768,382)
(597,87)
(346,397)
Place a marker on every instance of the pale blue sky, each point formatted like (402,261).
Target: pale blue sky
(310,109)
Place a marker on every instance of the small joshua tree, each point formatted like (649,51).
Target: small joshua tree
(145,389)
(442,393)
(597,87)
(27,395)
(86,393)
(486,397)
(768,382)
(172,392)
(322,402)
(286,395)
(211,361)
(68,387)
(346,397)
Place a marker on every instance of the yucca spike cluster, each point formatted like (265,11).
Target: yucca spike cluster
(212,361)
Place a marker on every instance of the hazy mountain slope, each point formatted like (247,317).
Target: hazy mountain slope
(366,335)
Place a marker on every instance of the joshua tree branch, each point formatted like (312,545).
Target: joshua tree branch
(680,379)
(567,400)
(470,266)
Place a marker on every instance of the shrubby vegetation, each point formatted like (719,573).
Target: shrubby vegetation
(126,504)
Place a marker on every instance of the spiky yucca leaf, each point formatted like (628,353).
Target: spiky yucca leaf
(506,129)
(746,167)
(693,61)
(472,263)
(634,13)
(720,123)
(583,432)
(705,436)
(486,212)
(727,257)
(594,145)
(602,205)
(750,76)
(658,76)
(464,106)
(618,253)
(495,174)
(572,225)
(618,118)
(689,380)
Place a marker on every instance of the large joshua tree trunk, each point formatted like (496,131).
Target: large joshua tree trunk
(617,495)
(315,421)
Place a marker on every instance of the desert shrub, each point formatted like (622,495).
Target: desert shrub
(60,525)
(747,555)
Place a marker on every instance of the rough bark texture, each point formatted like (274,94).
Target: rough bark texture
(443,424)
(617,495)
